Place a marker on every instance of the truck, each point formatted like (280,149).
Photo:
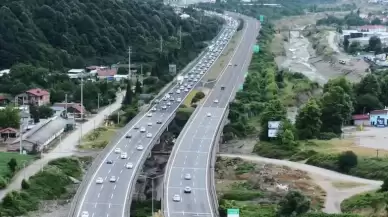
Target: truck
(180,80)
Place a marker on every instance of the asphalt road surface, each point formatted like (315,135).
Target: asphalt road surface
(194,149)
(109,199)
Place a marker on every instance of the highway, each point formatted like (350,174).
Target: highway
(112,198)
(194,145)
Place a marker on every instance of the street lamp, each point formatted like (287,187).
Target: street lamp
(152,189)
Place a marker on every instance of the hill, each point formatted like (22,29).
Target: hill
(73,33)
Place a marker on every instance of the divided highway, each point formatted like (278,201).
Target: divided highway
(108,191)
(188,190)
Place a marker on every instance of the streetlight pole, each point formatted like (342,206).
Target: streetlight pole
(98,101)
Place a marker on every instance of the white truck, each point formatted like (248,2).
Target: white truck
(180,80)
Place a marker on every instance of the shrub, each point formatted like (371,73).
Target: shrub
(327,161)
(270,150)
(25,184)
(3,183)
(327,136)
(347,160)
(241,195)
(303,155)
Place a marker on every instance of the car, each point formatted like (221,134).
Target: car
(178,91)
(139,147)
(235,64)
(164,99)
(186,90)
(123,155)
(112,179)
(216,101)
(142,129)
(85,214)
(187,189)
(117,150)
(149,135)
(149,124)
(176,198)
(187,176)
(149,115)
(136,127)
(222,87)
(181,88)
(195,80)
(109,162)
(153,109)
(179,99)
(169,103)
(129,165)
(159,122)
(172,99)
(156,101)
(128,136)
(209,114)
(99,180)
(189,86)
(164,107)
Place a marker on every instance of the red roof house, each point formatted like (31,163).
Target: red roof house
(106,73)
(35,96)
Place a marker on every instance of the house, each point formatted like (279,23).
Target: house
(8,133)
(372,28)
(361,120)
(35,96)
(379,118)
(106,73)
(73,109)
(4,100)
(75,73)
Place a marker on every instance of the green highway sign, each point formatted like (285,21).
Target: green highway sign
(261,18)
(233,212)
(256,48)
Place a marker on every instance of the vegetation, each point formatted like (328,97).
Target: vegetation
(9,117)
(51,183)
(369,204)
(98,138)
(10,164)
(144,208)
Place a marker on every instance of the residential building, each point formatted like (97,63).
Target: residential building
(372,28)
(106,73)
(74,110)
(361,120)
(379,118)
(8,133)
(35,96)
(76,73)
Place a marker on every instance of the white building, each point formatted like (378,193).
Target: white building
(75,73)
(5,71)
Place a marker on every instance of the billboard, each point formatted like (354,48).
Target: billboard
(273,128)
(380,122)
(172,69)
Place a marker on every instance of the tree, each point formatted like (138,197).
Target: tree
(12,165)
(347,160)
(346,44)
(138,88)
(375,44)
(376,21)
(366,103)
(34,112)
(25,184)
(9,117)
(384,186)
(122,71)
(45,112)
(354,47)
(369,85)
(293,204)
(336,107)
(128,95)
(308,121)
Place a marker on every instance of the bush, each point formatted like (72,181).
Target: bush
(303,155)
(270,150)
(347,160)
(327,161)
(3,183)
(242,195)
(327,136)
(25,184)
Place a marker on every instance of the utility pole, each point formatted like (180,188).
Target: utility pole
(161,44)
(118,117)
(141,74)
(98,101)
(129,64)
(21,137)
(180,37)
(82,106)
(66,105)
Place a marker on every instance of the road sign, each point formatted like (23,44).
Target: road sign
(256,48)
(261,18)
(246,74)
(233,213)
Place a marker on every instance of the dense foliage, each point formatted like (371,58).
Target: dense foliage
(57,34)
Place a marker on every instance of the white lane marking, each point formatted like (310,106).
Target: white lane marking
(110,205)
(193,168)
(189,151)
(126,145)
(102,186)
(184,162)
(106,177)
(98,195)
(181,183)
(118,178)
(193,213)
(95,205)
(190,124)
(198,189)
(107,215)
(111,196)
(121,171)
(109,171)
(93,215)
(114,187)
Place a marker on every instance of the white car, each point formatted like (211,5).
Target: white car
(117,150)
(142,130)
(124,155)
(99,180)
(186,90)
(179,100)
(209,114)
(139,147)
(187,189)
(187,176)
(85,214)
(129,165)
(153,109)
(149,124)
(136,127)
(176,198)
(149,115)
(164,107)
(216,101)
(181,88)
(149,135)
(112,179)
(169,103)
(178,91)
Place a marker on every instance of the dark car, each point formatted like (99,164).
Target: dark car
(222,88)
(128,136)
(109,162)
(235,64)
(159,122)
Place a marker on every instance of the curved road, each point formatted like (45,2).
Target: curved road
(194,145)
(110,199)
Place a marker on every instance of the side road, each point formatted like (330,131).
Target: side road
(323,178)
(67,147)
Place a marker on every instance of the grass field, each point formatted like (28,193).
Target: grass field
(340,145)
(5,157)
(98,138)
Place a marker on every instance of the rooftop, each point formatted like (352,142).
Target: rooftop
(105,72)
(76,71)
(360,117)
(38,92)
